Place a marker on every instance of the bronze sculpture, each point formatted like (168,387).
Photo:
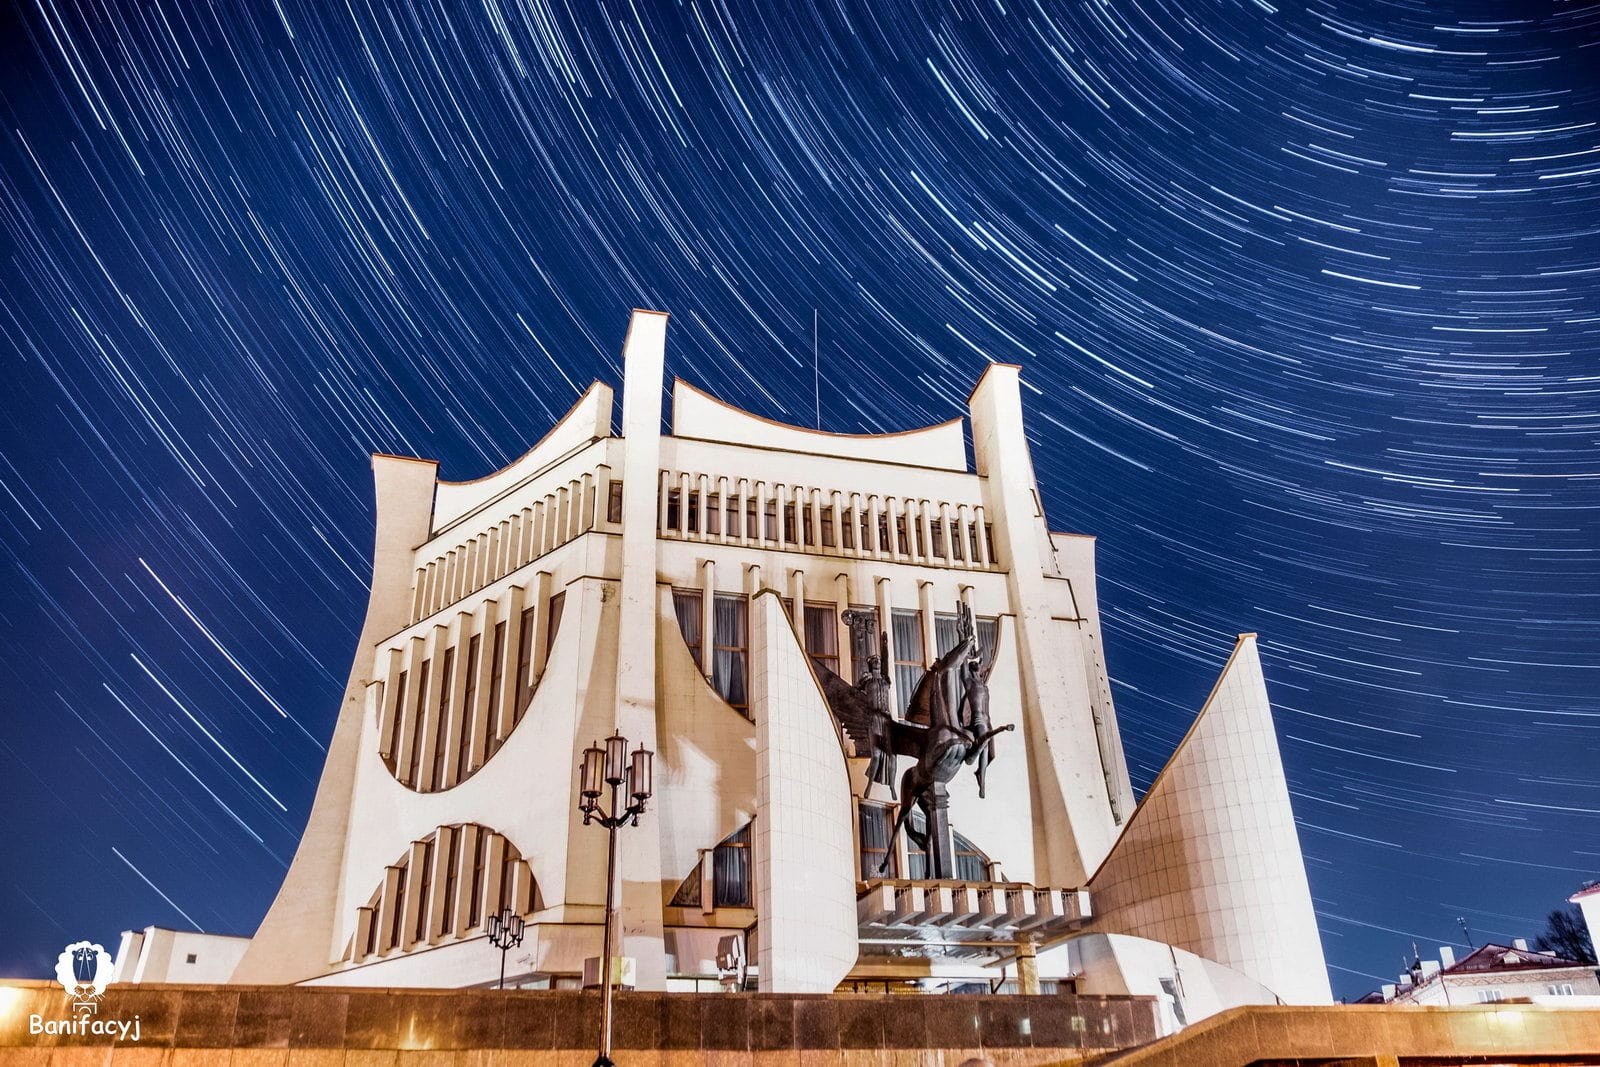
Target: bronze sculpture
(941,739)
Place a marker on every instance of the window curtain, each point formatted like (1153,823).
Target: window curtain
(730,871)
(822,634)
(731,617)
(909,662)
(687,605)
(874,822)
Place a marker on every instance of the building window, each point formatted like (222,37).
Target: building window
(424,883)
(730,875)
(1560,989)
(947,631)
(822,635)
(452,878)
(827,528)
(524,666)
(847,529)
(1490,996)
(416,725)
(441,723)
(687,603)
(730,870)
(497,672)
(909,662)
(399,714)
(669,518)
(713,514)
(399,909)
(190,958)
(469,704)
(557,604)
(731,648)
(936,532)
(479,857)
(614,503)
(873,822)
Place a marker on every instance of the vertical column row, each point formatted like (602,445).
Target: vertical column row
(583,504)
(444,887)
(445,701)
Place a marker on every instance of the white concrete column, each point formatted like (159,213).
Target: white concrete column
(388,711)
(465,851)
(389,900)
(1070,782)
(644,354)
(979,522)
(438,642)
(944,536)
(504,712)
(683,504)
(885,604)
(416,655)
(841,603)
(478,716)
(494,869)
(874,538)
(541,592)
(804,833)
(416,864)
(708,614)
(455,732)
(930,635)
(602,497)
(440,867)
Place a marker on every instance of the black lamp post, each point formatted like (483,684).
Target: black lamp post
(505,934)
(630,778)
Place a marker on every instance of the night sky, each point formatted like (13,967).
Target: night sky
(1307,302)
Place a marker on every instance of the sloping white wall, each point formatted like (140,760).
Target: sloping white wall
(1210,860)
(804,831)
(698,414)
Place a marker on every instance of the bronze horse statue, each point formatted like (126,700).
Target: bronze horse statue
(940,743)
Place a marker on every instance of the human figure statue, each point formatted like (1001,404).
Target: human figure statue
(932,733)
(975,714)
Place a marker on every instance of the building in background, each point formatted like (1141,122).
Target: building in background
(721,593)
(1490,974)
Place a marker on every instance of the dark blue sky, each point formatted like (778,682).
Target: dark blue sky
(1307,301)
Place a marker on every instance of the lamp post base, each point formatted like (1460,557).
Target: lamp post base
(603,1061)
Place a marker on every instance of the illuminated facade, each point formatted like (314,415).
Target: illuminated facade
(691,589)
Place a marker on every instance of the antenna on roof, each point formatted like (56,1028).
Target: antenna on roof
(816,366)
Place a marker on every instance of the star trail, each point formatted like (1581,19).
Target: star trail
(1307,299)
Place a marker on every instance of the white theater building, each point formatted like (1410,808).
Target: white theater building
(677,588)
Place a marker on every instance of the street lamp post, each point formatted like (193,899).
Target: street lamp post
(628,776)
(505,934)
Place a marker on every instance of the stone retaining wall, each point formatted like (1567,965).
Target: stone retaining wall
(277,1026)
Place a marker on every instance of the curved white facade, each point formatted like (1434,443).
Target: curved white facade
(607,582)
